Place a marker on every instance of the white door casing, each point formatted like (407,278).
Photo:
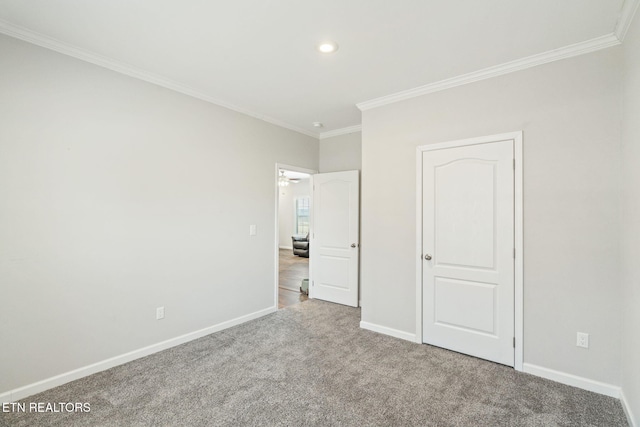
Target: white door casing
(334,246)
(468,226)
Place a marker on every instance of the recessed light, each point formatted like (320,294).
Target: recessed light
(318,125)
(327,47)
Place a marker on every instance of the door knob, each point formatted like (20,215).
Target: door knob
(427,257)
(353,245)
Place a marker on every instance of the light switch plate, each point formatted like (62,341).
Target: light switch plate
(253,230)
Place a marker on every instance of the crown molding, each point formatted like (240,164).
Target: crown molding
(341,131)
(33,37)
(628,11)
(497,70)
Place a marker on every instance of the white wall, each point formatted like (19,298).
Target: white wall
(286,210)
(341,153)
(630,226)
(570,114)
(285,216)
(119,196)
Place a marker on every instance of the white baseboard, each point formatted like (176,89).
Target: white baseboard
(627,410)
(286,247)
(388,331)
(572,380)
(40,386)
(290,289)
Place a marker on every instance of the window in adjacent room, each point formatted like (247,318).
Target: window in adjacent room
(302,215)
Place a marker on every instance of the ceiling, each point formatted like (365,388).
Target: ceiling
(259,57)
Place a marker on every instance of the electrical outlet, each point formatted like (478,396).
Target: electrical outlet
(253,230)
(582,340)
(159,313)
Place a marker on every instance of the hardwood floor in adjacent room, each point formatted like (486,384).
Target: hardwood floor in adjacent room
(291,272)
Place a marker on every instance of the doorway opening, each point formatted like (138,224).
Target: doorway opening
(292,234)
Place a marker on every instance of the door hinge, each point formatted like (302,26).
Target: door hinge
(514,253)
(514,164)
(514,342)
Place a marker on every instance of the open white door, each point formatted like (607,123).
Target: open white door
(468,247)
(334,247)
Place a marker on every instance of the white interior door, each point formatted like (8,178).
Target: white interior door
(468,247)
(334,247)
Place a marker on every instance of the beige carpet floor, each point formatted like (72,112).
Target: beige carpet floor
(311,365)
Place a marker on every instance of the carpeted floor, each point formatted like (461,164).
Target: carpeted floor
(311,364)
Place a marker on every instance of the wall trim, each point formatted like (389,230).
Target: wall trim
(628,11)
(47,42)
(626,16)
(290,248)
(576,49)
(46,384)
(627,409)
(408,336)
(341,131)
(290,289)
(573,380)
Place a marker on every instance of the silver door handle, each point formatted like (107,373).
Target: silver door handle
(427,257)
(353,245)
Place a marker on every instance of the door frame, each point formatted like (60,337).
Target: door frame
(276,259)
(517,138)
